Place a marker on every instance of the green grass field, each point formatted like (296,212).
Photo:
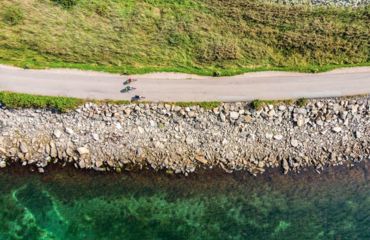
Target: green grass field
(207,37)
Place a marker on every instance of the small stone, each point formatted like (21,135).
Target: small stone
(294,143)
(2,150)
(57,133)
(300,121)
(285,166)
(269,135)
(201,159)
(337,129)
(319,122)
(2,164)
(23,147)
(278,137)
(222,117)
(319,105)
(358,134)
(69,131)
(191,114)
(141,130)
(95,136)
(271,113)
(83,151)
(127,111)
(189,140)
(41,170)
(282,108)
(139,152)
(248,119)
(53,150)
(234,115)
(152,123)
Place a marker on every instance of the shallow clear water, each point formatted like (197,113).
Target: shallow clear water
(67,204)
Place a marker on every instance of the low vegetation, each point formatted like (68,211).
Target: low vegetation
(205,105)
(19,100)
(63,104)
(259,104)
(208,37)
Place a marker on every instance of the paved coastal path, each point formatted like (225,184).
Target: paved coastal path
(186,87)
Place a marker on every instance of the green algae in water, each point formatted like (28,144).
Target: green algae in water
(66,204)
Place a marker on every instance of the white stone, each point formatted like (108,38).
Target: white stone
(278,137)
(57,133)
(223,118)
(95,136)
(189,140)
(282,108)
(294,143)
(69,131)
(300,121)
(337,129)
(141,130)
(319,122)
(358,134)
(2,164)
(269,135)
(234,115)
(23,147)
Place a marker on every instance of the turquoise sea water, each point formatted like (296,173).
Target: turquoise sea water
(70,204)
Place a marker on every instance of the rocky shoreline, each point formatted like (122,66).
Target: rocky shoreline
(234,136)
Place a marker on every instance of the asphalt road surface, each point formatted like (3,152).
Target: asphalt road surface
(186,87)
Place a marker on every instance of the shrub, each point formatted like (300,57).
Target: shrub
(66,3)
(302,102)
(13,15)
(257,104)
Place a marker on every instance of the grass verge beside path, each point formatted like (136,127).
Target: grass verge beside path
(20,100)
(65,104)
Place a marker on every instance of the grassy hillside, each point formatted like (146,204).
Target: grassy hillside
(200,36)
